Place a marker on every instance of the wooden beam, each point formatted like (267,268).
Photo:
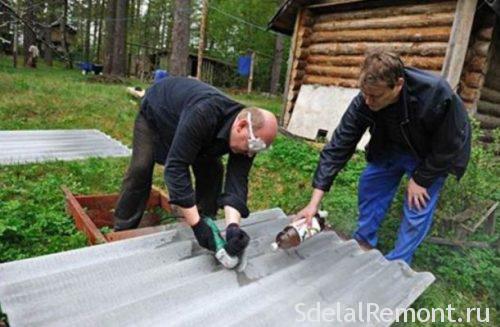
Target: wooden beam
(431,34)
(408,21)
(285,116)
(82,220)
(201,43)
(490,95)
(328,3)
(489,226)
(126,234)
(250,77)
(489,215)
(360,48)
(335,81)
(164,199)
(389,11)
(459,41)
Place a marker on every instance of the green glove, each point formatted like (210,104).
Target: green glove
(220,252)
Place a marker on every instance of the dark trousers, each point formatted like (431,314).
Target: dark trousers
(136,186)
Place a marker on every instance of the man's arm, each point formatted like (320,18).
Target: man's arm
(447,142)
(194,127)
(335,155)
(232,215)
(234,201)
(234,198)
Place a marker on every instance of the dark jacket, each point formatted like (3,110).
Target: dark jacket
(193,120)
(434,122)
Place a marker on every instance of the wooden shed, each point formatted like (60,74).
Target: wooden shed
(213,71)
(459,39)
(56,35)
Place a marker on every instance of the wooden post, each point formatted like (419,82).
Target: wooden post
(14,46)
(201,43)
(490,220)
(250,76)
(459,41)
(285,115)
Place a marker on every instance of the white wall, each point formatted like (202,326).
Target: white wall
(321,107)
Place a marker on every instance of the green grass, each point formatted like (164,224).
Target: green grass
(266,101)
(33,220)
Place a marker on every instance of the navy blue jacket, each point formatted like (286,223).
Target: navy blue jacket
(434,123)
(193,120)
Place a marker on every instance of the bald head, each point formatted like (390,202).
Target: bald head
(264,126)
(264,123)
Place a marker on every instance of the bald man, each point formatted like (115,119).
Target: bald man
(184,123)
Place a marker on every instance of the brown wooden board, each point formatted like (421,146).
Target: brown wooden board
(117,236)
(92,212)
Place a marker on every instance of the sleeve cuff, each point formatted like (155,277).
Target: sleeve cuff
(322,186)
(235,202)
(422,181)
(187,201)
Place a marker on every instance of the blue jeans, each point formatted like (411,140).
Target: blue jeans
(377,186)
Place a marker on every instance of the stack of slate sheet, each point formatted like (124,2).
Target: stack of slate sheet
(165,279)
(19,147)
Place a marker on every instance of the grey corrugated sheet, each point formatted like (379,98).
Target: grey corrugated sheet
(165,279)
(18,147)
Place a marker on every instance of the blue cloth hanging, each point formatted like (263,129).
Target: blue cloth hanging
(244,63)
(160,74)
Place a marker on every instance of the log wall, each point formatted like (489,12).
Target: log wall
(298,55)
(488,105)
(338,42)
(333,44)
(477,62)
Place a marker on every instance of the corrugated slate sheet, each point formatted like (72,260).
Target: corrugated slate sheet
(165,279)
(19,147)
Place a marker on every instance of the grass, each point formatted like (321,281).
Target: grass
(33,220)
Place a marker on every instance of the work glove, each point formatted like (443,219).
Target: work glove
(237,240)
(204,235)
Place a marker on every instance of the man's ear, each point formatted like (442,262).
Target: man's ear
(399,84)
(240,125)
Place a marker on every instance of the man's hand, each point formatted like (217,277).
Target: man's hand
(204,235)
(312,208)
(237,240)
(417,195)
(308,213)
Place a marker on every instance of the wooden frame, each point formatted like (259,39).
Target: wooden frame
(92,212)
(459,41)
(290,74)
(327,3)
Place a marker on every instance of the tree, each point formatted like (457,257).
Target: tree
(119,62)
(50,17)
(201,42)
(276,68)
(110,31)
(29,37)
(5,37)
(86,48)
(98,29)
(116,36)
(180,43)
(235,27)
(63,23)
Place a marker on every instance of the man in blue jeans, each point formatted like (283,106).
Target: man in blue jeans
(419,128)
